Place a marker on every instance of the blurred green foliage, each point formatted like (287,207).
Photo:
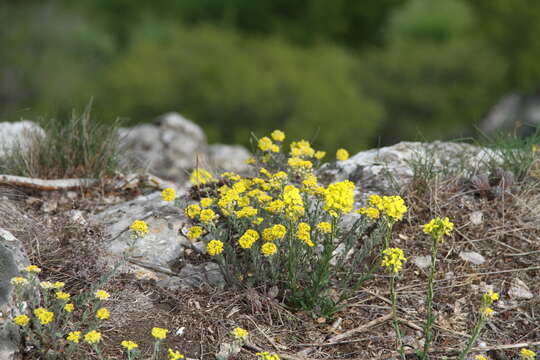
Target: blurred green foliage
(353,73)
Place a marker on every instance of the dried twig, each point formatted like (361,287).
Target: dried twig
(47,185)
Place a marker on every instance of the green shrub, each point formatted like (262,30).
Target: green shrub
(231,86)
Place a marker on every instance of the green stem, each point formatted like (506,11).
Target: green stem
(395,321)
(430,319)
(476,332)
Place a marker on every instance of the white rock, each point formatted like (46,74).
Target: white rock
(476,217)
(229,158)
(519,290)
(473,257)
(20,132)
(422,261)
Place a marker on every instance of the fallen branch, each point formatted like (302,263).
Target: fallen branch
(360,328)
(47,185)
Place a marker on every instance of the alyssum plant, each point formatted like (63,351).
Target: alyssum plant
(282,228)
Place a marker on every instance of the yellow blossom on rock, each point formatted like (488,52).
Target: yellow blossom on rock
(69,307)
(102,314)
(159,333)
(102,295)
(92,337)
(200,177)
(206,202)
(18,281)
(214,247)
(438,227)
(33,269)
(74,337)
(60,295)
(324,227)
(231,176)
(393,259)
(192,211)
(139,227)
(320,154)
(21,320)
(342,154)
(278,135)
(207,215)
(174,355)
(44,316)
(526,354)
(168,194)
(250,160)
(195,232)
(265,144)
(129,345)
(240,334)
(268,248)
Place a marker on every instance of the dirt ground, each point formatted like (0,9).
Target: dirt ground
(200,320)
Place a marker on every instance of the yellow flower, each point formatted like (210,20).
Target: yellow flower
(294,205)
(302,148)
(268,248)
(206,202)
(129,345)
(200,177)
(174,355)
(168,194)
(46,285)
(247,240)
(257,221)
(159,333)
(527,354)
(102,314)
(480,357)
(438,227)
(487,312)
(58,285)
(299,164)
(342,154)
(275,232)
(393,206)
(274,148)
(207,215)
(393,258)
(102,295)
(265,144)
(60,295)
(240,334)
(18,281)
(214,247)
(33,269)
(92,337)
(44,316)
(194,232)
(139,227)
(231,176)
(247,211)
(278,135)
(192,211)
(275,206)
(21,320)
(265,355)
(373,212)
(250,160)
(324,227)
(339,198)
(320,154)
(304,233)
(490,297)
(74,336)
(69,307)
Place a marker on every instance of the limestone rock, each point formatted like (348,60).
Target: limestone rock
(519,290)
(229,158)
(387,170)
(13,260)
(20,132)
(169,147)
(472,257)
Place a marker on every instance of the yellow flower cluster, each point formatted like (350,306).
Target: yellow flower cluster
(249,237)
(102,314)
(206,202)
(265,355)
(480,357)
(92,337)
(294,205)
(393,259)
(195,232)
(269,248)
(247,211)
(159,333)
(304,233)
(214,247)
(275,232)
(302,148)
(139,227)
(526,354)
(69,307)
(18,281)
(266,144)
(102,295)
(200,177)
(278,135)
(339,198)
(438,227)
(74,337)
(192,211)
(21,320)
(45,317)
(324,227)
(168,194)
(60,295)
(342,154)
(33,269)
(240,334)
(371,212)
(129,345)
(174,355)
(487,300)
(393,206)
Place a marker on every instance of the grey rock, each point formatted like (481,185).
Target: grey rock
(473,257)
(387,170)
(422,261)
(13,260)
(519,290)
(476,217)
(193,276)
(18,133)
(229,158)
(169,147)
